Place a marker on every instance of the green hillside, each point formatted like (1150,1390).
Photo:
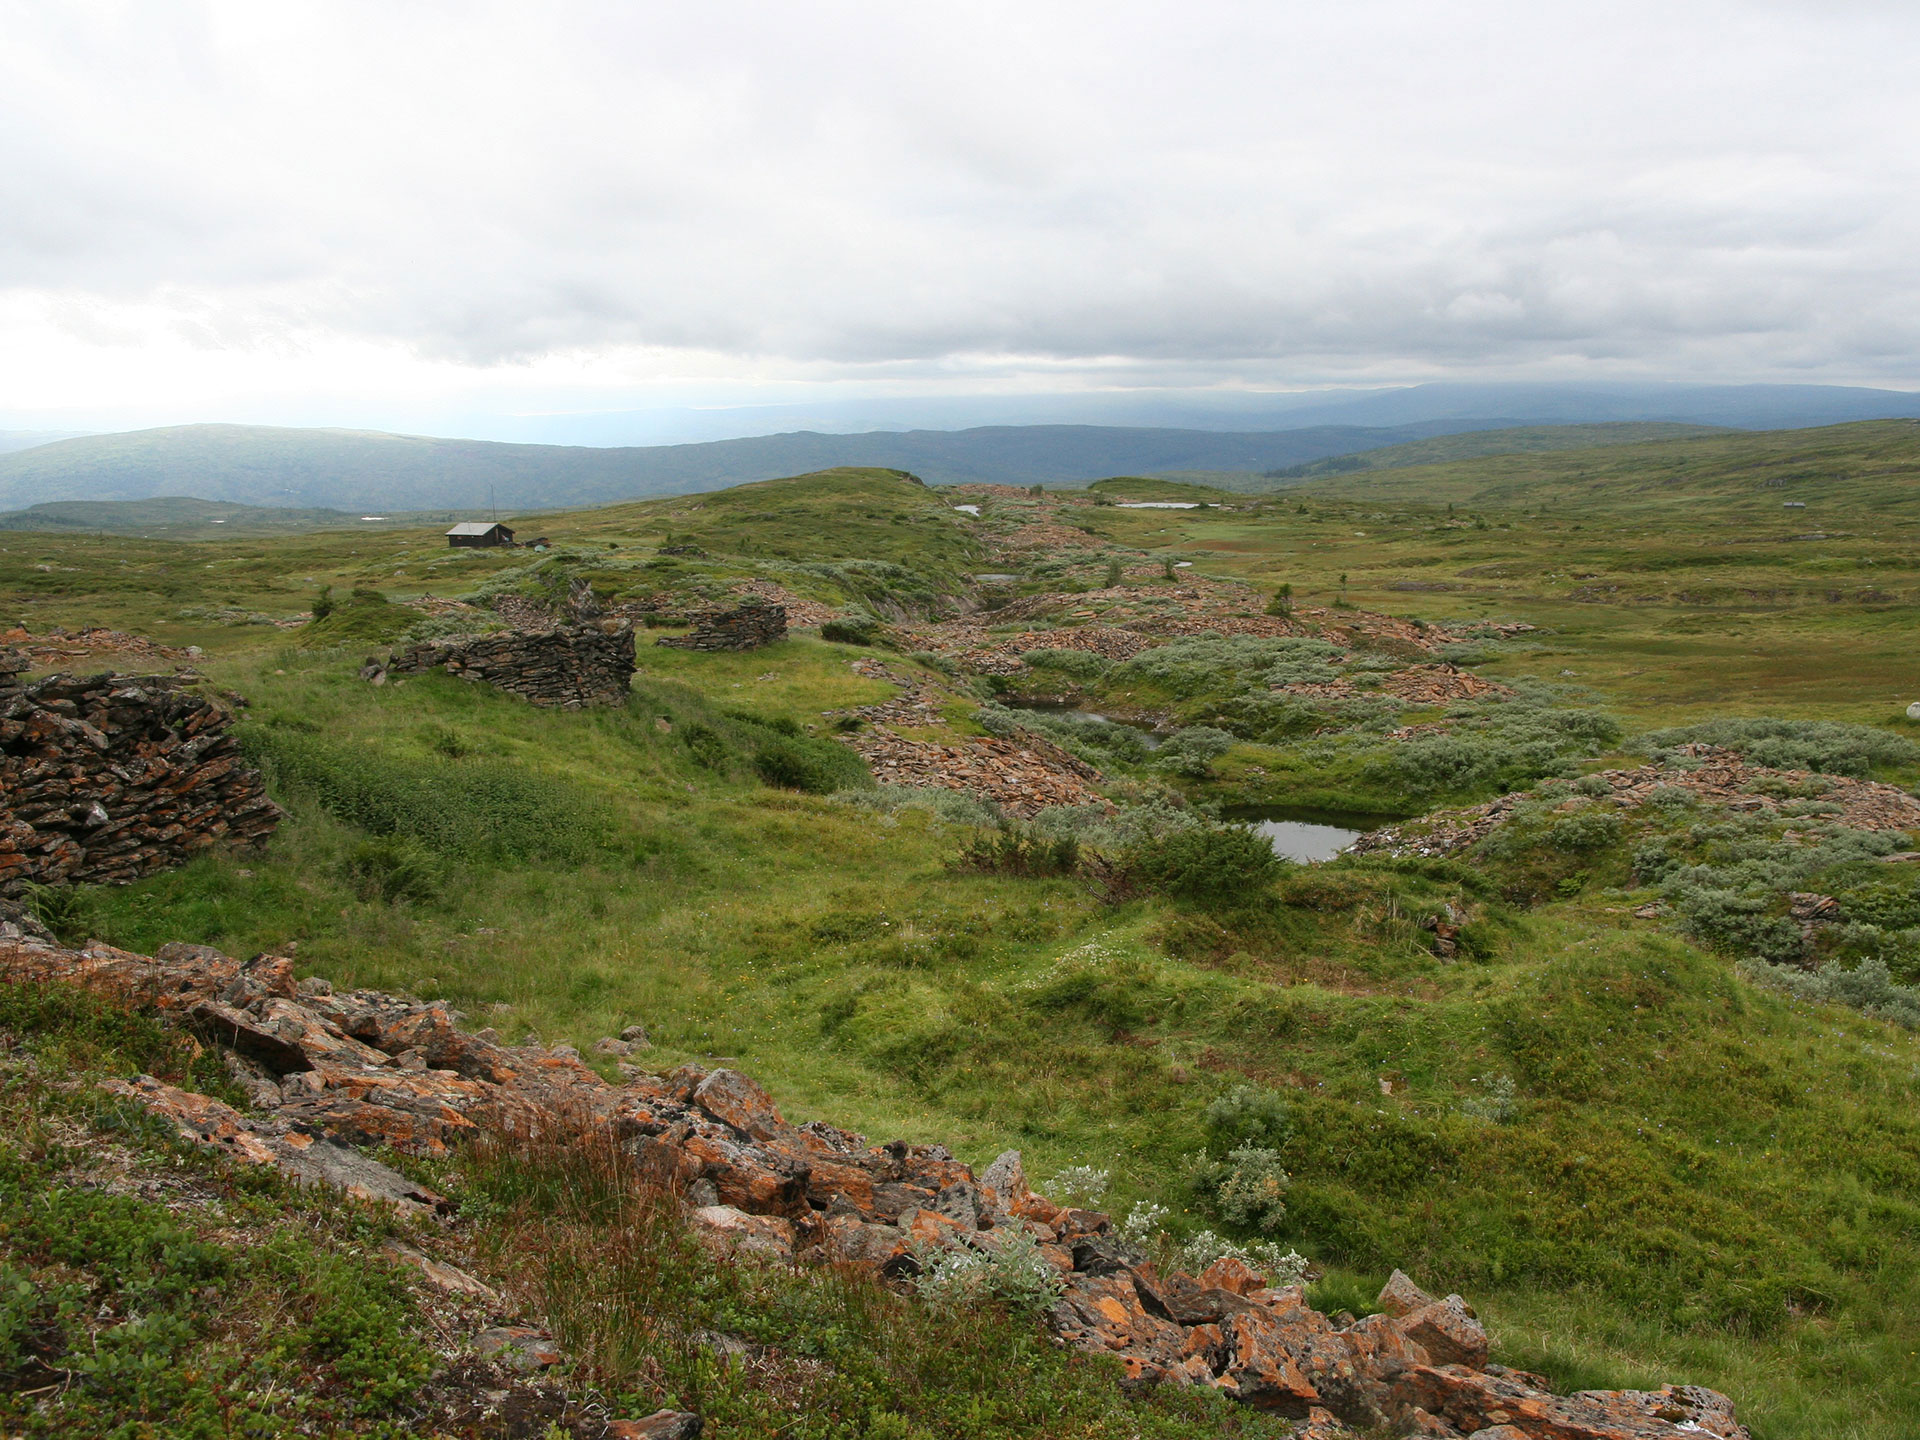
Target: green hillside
(180,518)
(1520,440)
(1640,1157)
(1147,487)
(1868,467)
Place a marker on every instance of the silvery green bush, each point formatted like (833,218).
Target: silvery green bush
(1014,1274)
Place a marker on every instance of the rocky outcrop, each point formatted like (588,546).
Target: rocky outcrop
(747,627)
(108,778)
(326,1071)
(570,666)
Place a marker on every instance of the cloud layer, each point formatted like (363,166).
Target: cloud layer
(579,200)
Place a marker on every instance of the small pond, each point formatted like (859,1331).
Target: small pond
(1306,835)
(1152,738)
(1157,505)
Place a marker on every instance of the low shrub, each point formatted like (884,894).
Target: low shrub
(1013,1275)
(1868,988)
(1015,849)
(1247,1186)
(1821,745)
(1192,751)
(1249,1115)
(847,632)
(1207,865)
(819,767)
(1074,664)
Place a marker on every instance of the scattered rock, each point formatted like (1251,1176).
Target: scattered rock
(518,1347)
(442,1276)
(661,1425)
(734,1232)
(1448,1331)
(1711,773)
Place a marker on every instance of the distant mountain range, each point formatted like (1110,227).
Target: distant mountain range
(1460,405)
(358,471)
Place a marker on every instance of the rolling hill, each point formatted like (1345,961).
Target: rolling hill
(178,518)
(1873,465)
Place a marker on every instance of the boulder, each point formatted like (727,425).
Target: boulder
(728,1231)
(1448,1331)
(1228,1273)
(733,1099)
(1400,1296)
(661,1425)
(883,1249)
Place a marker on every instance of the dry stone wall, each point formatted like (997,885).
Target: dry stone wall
(570,667)
(327,1071)
(748,627)
(108,778)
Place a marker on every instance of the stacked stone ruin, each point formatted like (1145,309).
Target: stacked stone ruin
(746,627)
(327,1072)
(108,778)
(569,666)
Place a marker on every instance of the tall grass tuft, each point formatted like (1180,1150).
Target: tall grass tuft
(472,809)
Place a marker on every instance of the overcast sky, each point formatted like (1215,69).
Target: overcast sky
(405,213)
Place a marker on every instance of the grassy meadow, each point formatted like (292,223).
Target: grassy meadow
(1639,1166)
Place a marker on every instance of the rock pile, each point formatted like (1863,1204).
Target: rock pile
(1715,775)
(1014,774)
(746,627)
(108,778)
(327,1071)
(57,646)
(800,611)
(1022,774)
(567,666)
(1441,684)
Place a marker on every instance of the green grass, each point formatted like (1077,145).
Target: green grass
(1696,1180)
(146,1290)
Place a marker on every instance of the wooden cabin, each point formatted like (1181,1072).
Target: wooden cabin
(474,534)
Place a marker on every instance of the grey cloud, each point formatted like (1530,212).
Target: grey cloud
(1286,190)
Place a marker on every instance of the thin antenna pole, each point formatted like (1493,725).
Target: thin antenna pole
(491,506)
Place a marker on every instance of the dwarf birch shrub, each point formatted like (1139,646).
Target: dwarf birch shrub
(1217,864)
(1823,745)
(1249,1115)
(1247,1186)
(1868,988)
